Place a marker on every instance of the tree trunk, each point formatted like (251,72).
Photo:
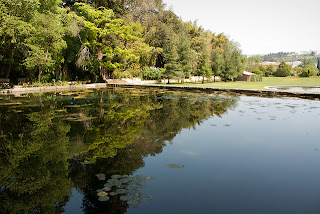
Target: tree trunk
(7,74)
(102,71)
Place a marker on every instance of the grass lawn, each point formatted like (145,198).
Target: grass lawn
(267,81)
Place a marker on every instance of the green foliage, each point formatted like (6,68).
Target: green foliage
(85,40)
(256,71)
(307,72)
(283,70)
(270,70)
(152,73)
(256,78)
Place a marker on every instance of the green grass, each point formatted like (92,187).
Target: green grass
(267,81)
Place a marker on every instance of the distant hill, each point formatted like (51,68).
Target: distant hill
(291,56)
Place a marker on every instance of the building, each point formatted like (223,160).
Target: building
(246,76)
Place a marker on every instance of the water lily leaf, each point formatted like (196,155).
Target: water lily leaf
(175,166)
(120,186)
(125,176)
(149,197)
(116,176)
(121,191)
(104,198)
(102,194)
(108,185)
(112,181)
(99,190)
(112,193)
(102,178)
(125,197)
(132,203)
(106,189)
(124,180)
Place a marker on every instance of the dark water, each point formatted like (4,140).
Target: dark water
(206,153)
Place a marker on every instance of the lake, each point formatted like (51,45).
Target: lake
(158,151)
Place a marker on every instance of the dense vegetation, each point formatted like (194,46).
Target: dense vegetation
(95,40)
(306,69)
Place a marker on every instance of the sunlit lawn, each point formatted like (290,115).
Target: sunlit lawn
(267,81)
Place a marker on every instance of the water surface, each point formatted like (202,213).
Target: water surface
(232,154)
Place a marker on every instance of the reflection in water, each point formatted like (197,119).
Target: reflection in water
(52,143)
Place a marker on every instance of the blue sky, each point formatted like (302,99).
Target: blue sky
(260,27)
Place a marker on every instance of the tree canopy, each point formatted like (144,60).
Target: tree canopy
(100,39)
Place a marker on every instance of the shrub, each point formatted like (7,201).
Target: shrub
(256,78)
(283,70)
(256,71)
(307,72)
(152,73)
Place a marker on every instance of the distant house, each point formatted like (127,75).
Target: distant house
(246,76)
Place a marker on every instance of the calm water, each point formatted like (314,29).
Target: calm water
(310,89)
(196,153)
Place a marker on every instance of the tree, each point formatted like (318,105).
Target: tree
(106,38)
(270,70)
(217,63)
(185,53)
(46,44)
(234,61)
(253,63)
(171,58)
(283,70)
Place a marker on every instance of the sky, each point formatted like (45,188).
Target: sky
(261,27)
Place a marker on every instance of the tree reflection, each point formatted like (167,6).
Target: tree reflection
(34,167)
(61,141)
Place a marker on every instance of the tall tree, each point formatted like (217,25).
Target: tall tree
(106,39)
(186,56)
(283,70)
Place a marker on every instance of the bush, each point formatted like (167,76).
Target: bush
(307,72)
(256,78)
(152,73)
(283,70)
(256,71)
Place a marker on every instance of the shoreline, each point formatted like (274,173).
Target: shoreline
(249,92)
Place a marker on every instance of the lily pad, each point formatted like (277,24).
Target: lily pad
(149,197)
(175,166)
(104,198)
(121,191)
(124,180)
(116,176)
(112,181)
(112,193)
(102,194)
(106,189)
(108,185)
(132,203)
(120,186)
(100,190)
(125,197)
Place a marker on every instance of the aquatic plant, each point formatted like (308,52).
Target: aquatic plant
(175,166)
(102,194)
(128,187)
(104,198)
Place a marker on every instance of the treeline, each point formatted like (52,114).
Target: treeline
(307,68)
(95,40)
